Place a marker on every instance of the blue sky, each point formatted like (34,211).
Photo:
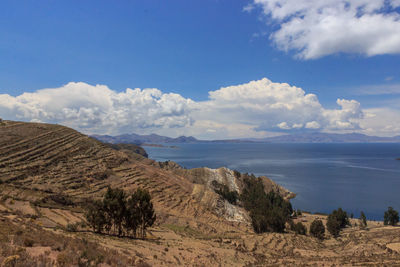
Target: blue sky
(191,48)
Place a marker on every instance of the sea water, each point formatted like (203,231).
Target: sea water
(356,177)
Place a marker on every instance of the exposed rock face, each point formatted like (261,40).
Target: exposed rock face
(232,179)
(203,178)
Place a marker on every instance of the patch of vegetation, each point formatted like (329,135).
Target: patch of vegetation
(72,227)
(317,229)
(337,220)
(298,228)
(391,217)
(268,212)
(363,220)
(55,200)
(223,190)
(28,242)
(121,214)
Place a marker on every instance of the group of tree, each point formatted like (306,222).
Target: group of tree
(268,212)
(120,214)
(391,217)
(337,220)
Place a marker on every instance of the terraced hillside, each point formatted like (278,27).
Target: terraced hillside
(42,163)
(48,172)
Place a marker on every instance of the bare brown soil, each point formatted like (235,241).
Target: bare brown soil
(48,172)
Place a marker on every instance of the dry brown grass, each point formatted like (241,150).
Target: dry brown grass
(48,172)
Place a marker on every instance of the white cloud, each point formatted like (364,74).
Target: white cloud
(312,125)
(273,106)
(316,28)
(98,109)
(381,122)
(255,109)
(283,126)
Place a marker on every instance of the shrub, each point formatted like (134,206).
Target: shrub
(223,190)
(299,212)
(72,227)
(391,217)
(236,173)
(298,228)
(317,229)
(28,242)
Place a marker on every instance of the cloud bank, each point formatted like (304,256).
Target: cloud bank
(317,28)
(255,109)
(98,109)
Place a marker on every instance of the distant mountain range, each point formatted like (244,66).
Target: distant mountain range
(289,138)
(328,138)
(144,139)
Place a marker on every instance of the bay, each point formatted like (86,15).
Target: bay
(356,177)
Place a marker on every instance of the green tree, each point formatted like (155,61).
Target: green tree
(95,216)
(145,210)
(363,219)
(337,220)
(341,216)
(114,204)
(333,226)
(391,217)
(268,212)
(131,219)
(128,215)
(317,229)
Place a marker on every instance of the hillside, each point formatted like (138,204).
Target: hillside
(41,161)
(48,173)
(144,139)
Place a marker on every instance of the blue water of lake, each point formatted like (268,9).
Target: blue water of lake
(356,177)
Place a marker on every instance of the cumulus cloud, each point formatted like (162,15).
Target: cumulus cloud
(316,28)
(254,109)
(99,109)
(381,121)
(273,106)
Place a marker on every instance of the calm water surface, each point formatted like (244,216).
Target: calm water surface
(324,176)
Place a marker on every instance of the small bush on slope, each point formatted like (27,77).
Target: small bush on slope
(317,229)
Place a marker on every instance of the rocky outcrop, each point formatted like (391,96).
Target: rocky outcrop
(232,179)
(205,190)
